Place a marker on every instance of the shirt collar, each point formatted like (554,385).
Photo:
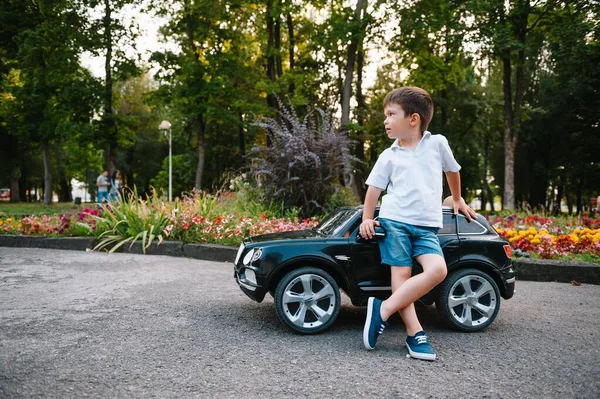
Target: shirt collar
(426,134)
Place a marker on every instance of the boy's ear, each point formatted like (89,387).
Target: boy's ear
(415,119)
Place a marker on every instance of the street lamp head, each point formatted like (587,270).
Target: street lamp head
(164,125)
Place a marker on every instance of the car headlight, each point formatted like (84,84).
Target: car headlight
(252,256)
(248,257)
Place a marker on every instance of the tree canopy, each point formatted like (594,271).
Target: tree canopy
(515,86)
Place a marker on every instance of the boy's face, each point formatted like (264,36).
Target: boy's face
(397,123)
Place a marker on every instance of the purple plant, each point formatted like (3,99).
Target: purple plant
(304,162)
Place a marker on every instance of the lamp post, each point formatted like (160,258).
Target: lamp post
(165,126)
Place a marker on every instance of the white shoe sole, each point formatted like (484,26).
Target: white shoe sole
(368,324)
(420,356)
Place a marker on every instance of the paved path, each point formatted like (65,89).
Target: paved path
(76,324)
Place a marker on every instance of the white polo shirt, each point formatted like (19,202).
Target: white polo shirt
(413,180)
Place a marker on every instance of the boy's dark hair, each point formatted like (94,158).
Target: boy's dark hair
(413,100)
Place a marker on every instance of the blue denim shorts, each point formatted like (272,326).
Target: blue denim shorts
(404,242)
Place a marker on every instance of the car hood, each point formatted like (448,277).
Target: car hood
(285,235)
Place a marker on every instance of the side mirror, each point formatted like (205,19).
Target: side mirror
(380,234)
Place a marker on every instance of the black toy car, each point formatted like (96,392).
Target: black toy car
(304,271)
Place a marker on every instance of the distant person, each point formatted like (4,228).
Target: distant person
(116,184)
(103,187)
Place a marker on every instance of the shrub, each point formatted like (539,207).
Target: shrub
(303,162)
(130,219)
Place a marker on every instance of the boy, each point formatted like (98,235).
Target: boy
(411,212)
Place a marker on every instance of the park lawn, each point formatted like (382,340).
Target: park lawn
(37,208)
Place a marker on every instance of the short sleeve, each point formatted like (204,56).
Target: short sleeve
(380,175)
(449,164)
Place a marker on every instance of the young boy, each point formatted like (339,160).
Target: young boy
(411,212)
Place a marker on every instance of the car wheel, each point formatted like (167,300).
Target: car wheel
(468,300)
(307,300)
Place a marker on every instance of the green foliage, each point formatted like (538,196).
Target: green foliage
(132,219)
(183,167)
(250,199)
(342,196)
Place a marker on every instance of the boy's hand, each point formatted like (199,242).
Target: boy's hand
(462,207)
(367,228)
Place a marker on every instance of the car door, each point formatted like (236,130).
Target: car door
(448,236)
(370,275)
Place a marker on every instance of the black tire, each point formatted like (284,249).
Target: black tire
(307,300)
(468,300)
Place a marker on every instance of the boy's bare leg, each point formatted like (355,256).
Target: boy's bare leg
(434,272)
(409,315)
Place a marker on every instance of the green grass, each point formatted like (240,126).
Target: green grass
(37,208)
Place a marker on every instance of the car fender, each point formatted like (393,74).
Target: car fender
(483,265)
(324,262)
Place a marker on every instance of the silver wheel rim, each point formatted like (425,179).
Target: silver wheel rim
(472,301)
(309,301)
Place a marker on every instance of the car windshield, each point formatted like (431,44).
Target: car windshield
(335,221)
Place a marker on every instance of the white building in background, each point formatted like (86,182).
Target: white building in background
(79,189)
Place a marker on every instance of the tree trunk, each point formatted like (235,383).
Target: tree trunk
(292,44)
(580,186)
(559,196)
(24,189)
(65,192)
(484,183)
(15,174)
(349,178)
(199,127)
(271,61)
(198,124)
(108,119)
(241,135)
(508,200)
(277,37)
(512,112)
(47,172)
(350,61)
(359,149)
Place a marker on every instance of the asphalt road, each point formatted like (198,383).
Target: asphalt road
(76,324)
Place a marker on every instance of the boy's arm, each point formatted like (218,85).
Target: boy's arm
(458,202)
(367,227)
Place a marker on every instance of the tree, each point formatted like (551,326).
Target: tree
(110,36)
(504,28)
(48,64)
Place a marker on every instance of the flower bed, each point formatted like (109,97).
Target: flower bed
(228,229)
(551,238)
(82,223)
(194,219)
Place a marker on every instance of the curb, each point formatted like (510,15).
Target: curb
(211,252)
(556,270)
(525,268)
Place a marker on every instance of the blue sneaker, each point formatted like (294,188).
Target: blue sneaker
(374,326)
(419,346)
